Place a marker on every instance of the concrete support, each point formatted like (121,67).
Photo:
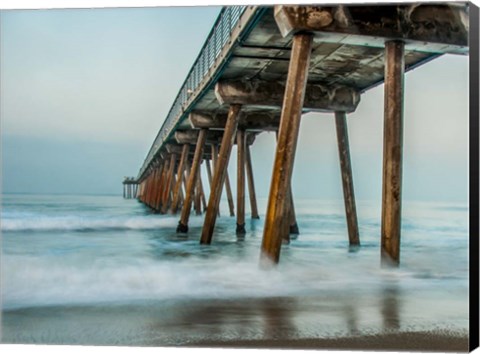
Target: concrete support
(192,178)
(287,142)
(240,230)
(178,185)
(434,28)
(347,178)
(220,173)
(251,183)
(392,152)
(256,92)
(258,121)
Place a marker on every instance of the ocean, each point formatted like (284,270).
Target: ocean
(103,270)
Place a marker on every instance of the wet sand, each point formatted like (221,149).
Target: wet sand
(288,323)
(408,341)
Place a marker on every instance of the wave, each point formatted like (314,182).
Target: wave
(40,281)
(73,223)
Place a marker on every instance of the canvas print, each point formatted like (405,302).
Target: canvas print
(287,176)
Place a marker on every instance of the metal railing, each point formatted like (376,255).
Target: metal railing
(216,40)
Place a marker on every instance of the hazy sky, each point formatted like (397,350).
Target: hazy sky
(84,92)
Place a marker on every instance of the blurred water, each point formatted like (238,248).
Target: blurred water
(104,270)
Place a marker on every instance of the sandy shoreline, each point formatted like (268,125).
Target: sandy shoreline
(438,341)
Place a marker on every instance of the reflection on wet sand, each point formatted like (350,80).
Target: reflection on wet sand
(280,318)
(391,307)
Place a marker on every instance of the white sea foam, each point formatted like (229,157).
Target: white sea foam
(62,223)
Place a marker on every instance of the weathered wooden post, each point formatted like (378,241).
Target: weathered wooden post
(251,183)
(228,189)
(156,182)
(293,217)
(192,178)
(168,186)
(240,230)
(198,196)
(162,184)
(287,142)
(178,185)
(124,190)
(151,185)
(220,172)
(347,178)
(292,227)
(392,152)
(202,193)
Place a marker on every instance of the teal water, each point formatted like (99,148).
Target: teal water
(105,270)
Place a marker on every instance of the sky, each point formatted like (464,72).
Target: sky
(84,93)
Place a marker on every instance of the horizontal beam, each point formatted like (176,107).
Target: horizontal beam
(432,28)
(191,137)
(318,97)
(260,121)
(213,137)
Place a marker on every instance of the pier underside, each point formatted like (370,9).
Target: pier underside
(278,63)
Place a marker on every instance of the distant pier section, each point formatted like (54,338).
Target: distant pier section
(130,187)
(259,70)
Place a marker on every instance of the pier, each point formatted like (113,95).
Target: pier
(130,187)
(259,70)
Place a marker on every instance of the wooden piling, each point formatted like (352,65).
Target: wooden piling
(209,170)
(162,184)
(178,184)
(347,178)
(251,183)
(171,171)
(240,230)
(192,178)
(228,189)
(151,185)
(156,185)
(392,152)
(198,196)
(292,226)
(202,193)
(220,173)
(287,142)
